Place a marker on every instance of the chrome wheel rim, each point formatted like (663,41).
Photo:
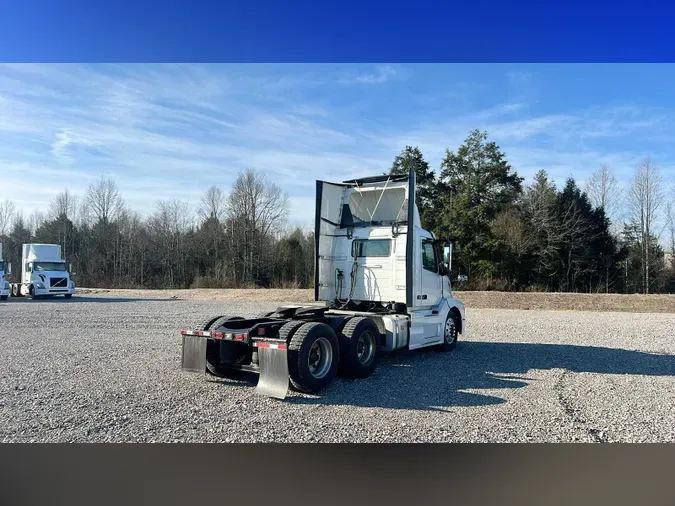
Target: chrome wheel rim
(450,331)
(320,358)
(365,347)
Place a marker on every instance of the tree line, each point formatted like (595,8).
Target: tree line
(236,240)
(508,233)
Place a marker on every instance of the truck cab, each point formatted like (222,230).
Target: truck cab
(5,272)
(43,272)
(372,254)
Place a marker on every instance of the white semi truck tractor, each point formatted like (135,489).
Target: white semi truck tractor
(5,272)
(43,273)
(381,283)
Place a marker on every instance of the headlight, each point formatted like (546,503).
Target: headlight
(6,285)
(40,285)
(72,284)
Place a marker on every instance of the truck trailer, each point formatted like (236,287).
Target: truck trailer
(381,283)
(43,273)
(5,272)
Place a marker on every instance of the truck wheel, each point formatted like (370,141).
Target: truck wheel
(449,334)
(213,348)
(4,297)
(313,357)
(31,292)
(68,295)
(359,348)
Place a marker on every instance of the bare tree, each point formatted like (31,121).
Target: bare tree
(213,204)
(256,208)
(103,200)
(603,191)
(7,212)
(36,219)
(64,205)
(170,223)
(646,199)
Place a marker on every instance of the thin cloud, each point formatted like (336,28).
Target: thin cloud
(171,131)
(382,74)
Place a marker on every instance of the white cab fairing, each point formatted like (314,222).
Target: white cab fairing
(361,228)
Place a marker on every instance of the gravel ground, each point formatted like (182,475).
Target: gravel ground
(95,369)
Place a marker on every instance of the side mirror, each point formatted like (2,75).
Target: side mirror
(70,267)
(8,272)
(447,255)
(73,274)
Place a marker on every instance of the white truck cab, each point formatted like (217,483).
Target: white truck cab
(43,273)
(372,252)
(5,272)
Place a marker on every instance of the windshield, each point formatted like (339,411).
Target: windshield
(49,266)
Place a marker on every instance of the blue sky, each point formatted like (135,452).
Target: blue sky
(170,131)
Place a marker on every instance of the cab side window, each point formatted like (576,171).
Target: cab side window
(429,256)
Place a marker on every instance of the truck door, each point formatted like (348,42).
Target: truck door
(430,280)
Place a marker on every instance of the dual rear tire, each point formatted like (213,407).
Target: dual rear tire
(317,354)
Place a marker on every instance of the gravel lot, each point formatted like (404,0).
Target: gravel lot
(95,369)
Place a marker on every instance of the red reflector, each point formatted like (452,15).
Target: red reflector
(218,335)
(239,337)
(272,346)
(183,332)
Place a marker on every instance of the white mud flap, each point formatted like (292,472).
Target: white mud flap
(273,360)
(194,354)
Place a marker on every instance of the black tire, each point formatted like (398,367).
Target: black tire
(303,346)
(4,297)
(287,331)
(359,348)
(214,349)
(68,296)
(31,293)
(450,334)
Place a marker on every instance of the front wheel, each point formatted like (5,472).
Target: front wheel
(68,295)
(4,297)
(450,334)
(313,357)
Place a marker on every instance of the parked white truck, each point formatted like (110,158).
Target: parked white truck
(5,272)
(381,284)
(43,273)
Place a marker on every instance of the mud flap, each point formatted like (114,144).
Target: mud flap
(194,354)
(273,360)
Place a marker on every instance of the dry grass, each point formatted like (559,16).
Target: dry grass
(495,300)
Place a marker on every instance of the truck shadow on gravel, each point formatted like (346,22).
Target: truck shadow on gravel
(431,381)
